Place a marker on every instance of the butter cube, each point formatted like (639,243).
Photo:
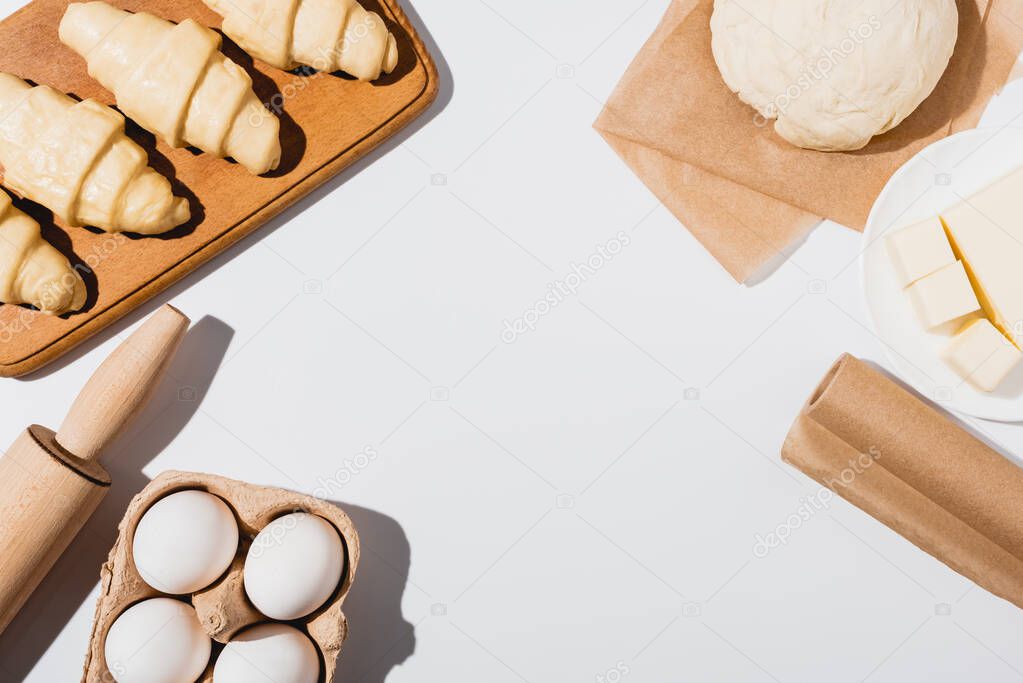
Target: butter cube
(919,250)
(943,296)
(982,355)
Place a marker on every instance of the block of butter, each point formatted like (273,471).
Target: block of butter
(943,296)
(986,232)
(919,250)
(981,355)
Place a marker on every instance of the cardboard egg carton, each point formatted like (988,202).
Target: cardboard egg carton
(223,607)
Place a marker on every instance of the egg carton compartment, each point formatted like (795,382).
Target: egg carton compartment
(223,607)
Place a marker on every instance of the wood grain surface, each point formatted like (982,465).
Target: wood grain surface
(329,121)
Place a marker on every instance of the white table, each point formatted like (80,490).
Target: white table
(580,504)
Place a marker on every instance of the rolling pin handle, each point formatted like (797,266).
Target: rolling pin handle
(122,384)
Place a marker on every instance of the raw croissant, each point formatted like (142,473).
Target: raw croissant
(74,158)
(173,80)
(31,270)
(328,35)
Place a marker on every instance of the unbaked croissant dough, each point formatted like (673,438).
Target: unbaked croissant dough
(74,158)
(173,80)
(31,270)
(328,35)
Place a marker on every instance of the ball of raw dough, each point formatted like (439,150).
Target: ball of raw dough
(270,652)
(833,73)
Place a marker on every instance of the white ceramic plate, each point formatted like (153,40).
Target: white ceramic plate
(936,178)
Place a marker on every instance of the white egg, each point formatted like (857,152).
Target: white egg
(157,641)
(293,566)
(268,652)
(184,542)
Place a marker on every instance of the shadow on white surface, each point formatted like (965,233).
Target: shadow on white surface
(380,638)
(76,574)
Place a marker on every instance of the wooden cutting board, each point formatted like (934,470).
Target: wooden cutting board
(329,122)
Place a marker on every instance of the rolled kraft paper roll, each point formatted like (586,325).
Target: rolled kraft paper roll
(908,465)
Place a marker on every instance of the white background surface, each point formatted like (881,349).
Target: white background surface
(584,498)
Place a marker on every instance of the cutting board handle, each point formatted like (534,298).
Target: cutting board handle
(119,388)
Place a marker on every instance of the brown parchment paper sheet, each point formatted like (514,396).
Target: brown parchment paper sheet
(744,192)
(908,465)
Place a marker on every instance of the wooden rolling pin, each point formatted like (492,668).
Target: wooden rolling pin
(50,484)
